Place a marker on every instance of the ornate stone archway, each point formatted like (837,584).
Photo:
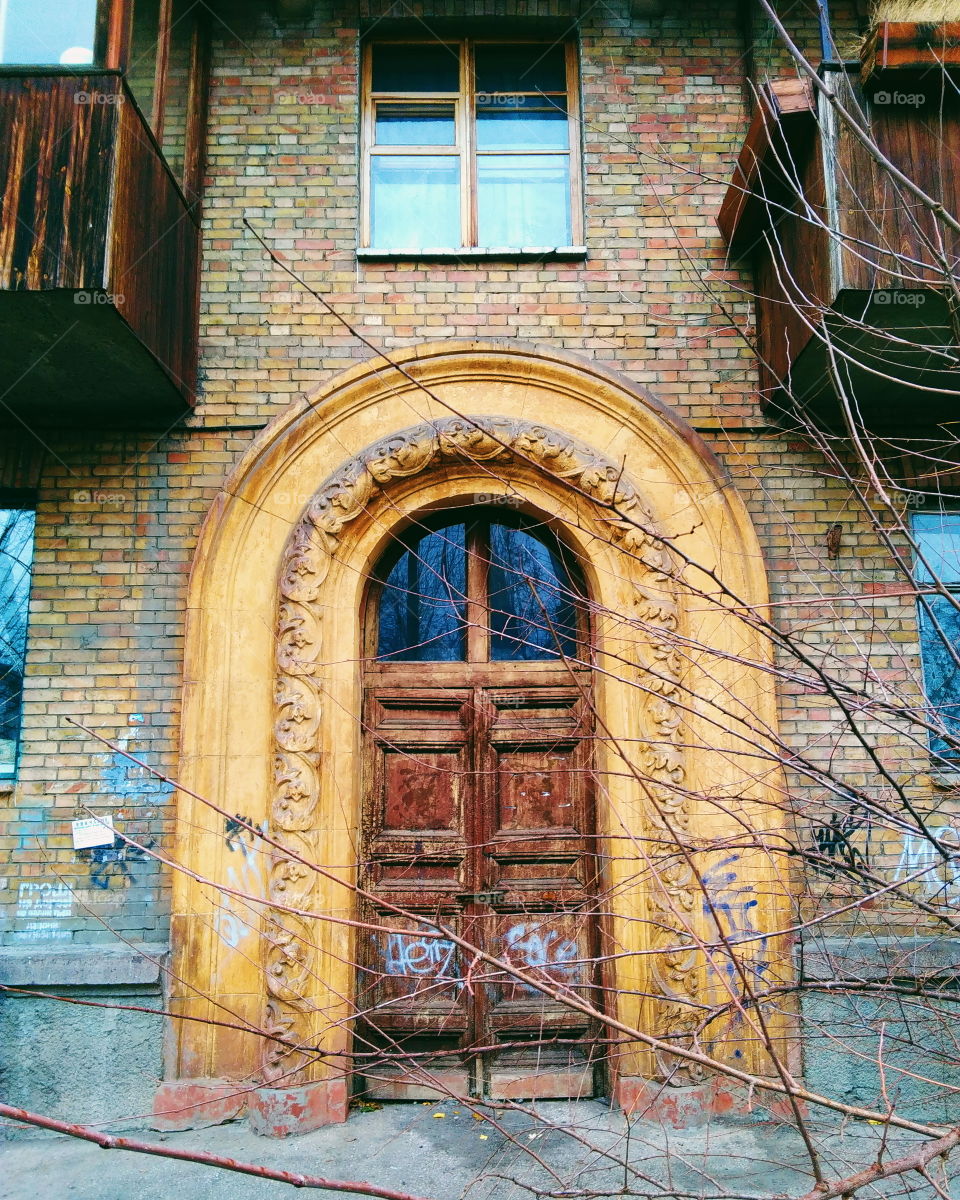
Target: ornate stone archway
(270,721)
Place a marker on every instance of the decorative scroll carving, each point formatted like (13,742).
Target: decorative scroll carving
(290,956)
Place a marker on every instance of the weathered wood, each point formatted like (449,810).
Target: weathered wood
(89,206)
(783,118)
(837,242)
(910,45)
(155,252)
(478,813)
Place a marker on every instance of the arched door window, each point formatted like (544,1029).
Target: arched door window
(478,588)
(477,809)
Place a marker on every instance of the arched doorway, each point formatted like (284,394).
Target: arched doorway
(273,697)
(478,814)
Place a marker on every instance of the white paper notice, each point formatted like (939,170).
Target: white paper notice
(92,831)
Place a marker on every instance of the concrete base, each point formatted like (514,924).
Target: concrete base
(96,1065)
(198,1103)
(691,1107)
(279,1112)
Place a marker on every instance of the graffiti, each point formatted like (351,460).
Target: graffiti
(108,864)
(724,896)
(408,954)
(940,876)
(832,841)
(238,836)
(248,877)
(49,901)
(546,951)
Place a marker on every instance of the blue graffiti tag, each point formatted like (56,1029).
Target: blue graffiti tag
(731,906)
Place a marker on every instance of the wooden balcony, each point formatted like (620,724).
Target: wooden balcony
(852,271)
(99,255)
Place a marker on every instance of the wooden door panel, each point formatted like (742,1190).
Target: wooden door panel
(421,788)
(551,948)
(417,976)
(413,1007)
(539,866)
(478,814)
(536,788)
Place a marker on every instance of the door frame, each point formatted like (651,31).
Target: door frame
(255,698)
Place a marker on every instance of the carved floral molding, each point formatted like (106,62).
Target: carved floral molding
(290,958)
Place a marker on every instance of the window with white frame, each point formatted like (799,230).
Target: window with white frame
(937,536)
(16,554)
(470,144)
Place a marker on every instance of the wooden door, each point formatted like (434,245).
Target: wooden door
(478,816)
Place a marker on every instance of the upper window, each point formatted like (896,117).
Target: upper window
(480,588)
(44,32)
(938,538)
(470,145)
(16,552)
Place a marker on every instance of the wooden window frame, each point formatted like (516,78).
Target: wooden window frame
(465,150)
(478,639)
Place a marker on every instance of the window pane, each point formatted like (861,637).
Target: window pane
(938,536)
(415,202)
(416,125)
(532,608)
(16,550)
(523,200)
(423,604)
(941,674)
(522,129)
(540,67)
(47,31)
(416,68)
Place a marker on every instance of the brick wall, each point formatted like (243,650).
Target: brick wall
(118,518)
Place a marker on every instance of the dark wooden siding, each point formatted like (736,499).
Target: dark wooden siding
(56,163)
(89,204)
(883,225)
(154,252)
(792,265)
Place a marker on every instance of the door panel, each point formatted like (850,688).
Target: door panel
(478,813)
(541,862)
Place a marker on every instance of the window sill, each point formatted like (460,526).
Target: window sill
(476,254)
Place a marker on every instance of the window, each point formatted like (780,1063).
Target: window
(938,538)
(44,32)
(16,552)
(480,588)
(470,145)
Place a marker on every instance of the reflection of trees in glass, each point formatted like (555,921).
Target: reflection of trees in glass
(423,609)
(532,612)
(16,544)
(941,673)
(519,581)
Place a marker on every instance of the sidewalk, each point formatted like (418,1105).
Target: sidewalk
(443,1151)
